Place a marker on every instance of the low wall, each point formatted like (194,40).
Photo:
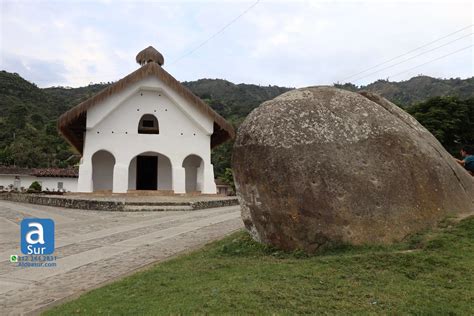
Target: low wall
(214,203)
(104,205)
(61,201)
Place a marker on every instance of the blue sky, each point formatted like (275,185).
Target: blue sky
(286,43)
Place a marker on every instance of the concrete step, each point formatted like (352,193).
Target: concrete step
(155,208)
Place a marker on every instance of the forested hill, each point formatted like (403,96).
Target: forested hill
(233,101)
(28,114)
(418,89)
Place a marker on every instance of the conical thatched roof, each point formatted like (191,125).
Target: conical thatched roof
(150,54)
(72,124)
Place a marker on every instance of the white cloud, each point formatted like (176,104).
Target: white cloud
(293,43)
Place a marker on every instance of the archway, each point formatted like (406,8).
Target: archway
(150,171)
(194,173)
(103,163)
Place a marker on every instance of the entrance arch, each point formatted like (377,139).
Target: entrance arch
(194,173)
(103,163)
(150,171)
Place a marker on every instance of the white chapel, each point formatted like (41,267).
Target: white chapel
(145,132)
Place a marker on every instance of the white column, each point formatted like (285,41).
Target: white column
(120,178)
(84,182)
(179,180)
(208,184)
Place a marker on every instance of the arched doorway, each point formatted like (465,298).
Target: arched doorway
(103,163)
(150,171)
(194,173)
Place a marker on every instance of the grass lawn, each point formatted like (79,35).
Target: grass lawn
(431,273)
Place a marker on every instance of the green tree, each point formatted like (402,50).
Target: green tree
(228,178)
(220,158)
(17,116)
(25,153)
(449,119)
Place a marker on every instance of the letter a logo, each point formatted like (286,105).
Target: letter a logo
(39,232)
(37,236)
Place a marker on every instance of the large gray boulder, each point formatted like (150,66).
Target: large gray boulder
(320,165)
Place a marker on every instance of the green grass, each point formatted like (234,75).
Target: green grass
(238,276)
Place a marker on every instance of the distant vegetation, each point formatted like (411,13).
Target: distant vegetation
(28,135)
(449,119)
(417,89)
(233,101)
(28,114)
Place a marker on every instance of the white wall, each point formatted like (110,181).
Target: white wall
(24,180)
(113,126)
(6,180)
(51,183)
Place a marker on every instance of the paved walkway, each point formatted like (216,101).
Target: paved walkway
(94,247)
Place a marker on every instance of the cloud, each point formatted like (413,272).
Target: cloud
(34,70)
(292,43)
(331,42)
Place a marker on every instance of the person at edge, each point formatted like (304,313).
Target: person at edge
(467,154)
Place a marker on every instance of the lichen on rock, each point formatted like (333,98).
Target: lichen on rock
(321,165)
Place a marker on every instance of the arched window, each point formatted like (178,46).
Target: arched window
(148,125)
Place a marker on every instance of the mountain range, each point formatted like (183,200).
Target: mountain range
(28,114)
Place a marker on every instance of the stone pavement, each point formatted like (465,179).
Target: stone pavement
(94,247)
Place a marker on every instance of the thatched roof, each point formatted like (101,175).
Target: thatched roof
(150,54)
(72,124)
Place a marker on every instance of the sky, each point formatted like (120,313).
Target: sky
(286,43)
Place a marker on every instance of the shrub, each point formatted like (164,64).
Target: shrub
(35,186)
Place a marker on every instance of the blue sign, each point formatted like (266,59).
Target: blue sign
(37,236)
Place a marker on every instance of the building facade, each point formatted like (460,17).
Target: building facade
(50,179)
(145,132)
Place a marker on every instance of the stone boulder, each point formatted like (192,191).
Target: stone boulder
(320,165)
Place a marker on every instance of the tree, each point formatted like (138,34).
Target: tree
(228,178)
(18,116)
(449,119)
(220,157)
(25,153)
